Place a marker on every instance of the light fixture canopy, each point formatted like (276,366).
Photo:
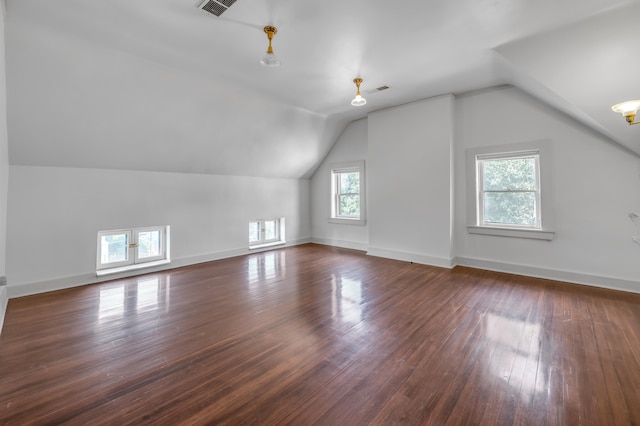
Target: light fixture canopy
(358,100)
(628,109)
(270,59)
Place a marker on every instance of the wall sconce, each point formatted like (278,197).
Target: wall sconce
(628,109)
(269,59)
(358,100)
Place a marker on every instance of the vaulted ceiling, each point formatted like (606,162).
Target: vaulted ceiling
(161,85)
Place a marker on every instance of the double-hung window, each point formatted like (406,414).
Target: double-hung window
(509,191)
(126,249)
(347,193)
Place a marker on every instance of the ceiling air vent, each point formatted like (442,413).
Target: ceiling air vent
(216,7)
(377,89)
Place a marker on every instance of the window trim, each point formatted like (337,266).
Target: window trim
(480,191)
(544,230)
(335,169)
(133,262)
(128,261)
(280,238)
(163,248)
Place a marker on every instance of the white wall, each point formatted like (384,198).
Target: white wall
(596,185)
(4,170)
(55,214)
(104,108)
(409,181)
(350,146)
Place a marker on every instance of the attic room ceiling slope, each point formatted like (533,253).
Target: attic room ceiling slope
(161,85)
(591,65)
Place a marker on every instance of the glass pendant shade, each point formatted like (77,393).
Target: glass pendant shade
(628,110)
(624,108)
(270,59)
(358,100)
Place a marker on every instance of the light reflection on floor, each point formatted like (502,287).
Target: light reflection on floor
(346,298)
(111,303)
(134,297)
(265,267)
(516,358)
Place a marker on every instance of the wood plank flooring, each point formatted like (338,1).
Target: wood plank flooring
(317,335)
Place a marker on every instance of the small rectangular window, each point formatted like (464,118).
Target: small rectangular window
(347,193)
(150,244)
(126,249)
(114,248)
(266,232)
(254,232)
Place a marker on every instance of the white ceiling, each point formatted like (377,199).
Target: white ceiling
(161,85)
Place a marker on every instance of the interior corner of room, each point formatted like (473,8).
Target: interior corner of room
(458,135)
(141,136)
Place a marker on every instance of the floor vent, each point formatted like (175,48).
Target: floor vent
(216,7)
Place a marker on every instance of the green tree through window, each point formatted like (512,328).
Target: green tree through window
(509,190)
(349,194)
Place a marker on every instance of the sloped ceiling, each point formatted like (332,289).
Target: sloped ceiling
(161,85)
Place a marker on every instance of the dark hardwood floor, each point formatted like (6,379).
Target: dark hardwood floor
(318,335)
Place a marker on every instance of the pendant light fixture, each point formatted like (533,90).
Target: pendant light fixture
(269,59)
(358,100)
(629,110)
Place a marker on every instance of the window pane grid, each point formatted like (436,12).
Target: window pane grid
(128,247)
(266,231)
(509,191)
(114,248)
(349,205)
(346,188)
(254,232)
(149,244)
(270,232)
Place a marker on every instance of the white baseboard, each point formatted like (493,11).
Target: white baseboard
(551,274)
(28,289)
(529,271)
(410,257)
(4,300)
(341,244)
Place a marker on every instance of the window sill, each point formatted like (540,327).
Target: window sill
(109,271)
(536,234)
(259,246)
(347,221)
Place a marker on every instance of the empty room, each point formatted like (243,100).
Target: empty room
(277,212)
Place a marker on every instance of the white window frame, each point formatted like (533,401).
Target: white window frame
(335,171)
(133,260)
(541,150)
(262,242)
(480,160)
